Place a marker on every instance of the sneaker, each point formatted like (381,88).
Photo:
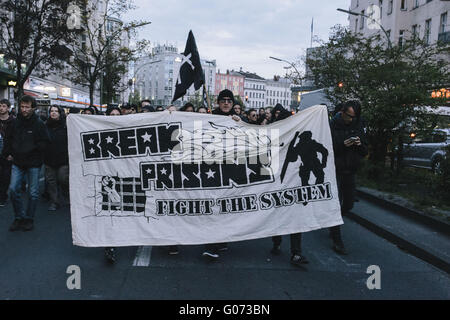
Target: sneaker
(27,225)
(298,260)
(211,255)
(16,225)
(110,255)
(173,250)
(276,250)
(52,207)
(340,249)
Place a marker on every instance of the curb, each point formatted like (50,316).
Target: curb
(401,243)
(435,223)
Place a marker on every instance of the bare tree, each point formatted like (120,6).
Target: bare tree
(102,46)
(33,35)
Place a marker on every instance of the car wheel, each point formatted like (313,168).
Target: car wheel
(437,166)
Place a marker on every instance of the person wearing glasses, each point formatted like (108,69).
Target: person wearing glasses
(252,116)
(226,103)
(350,146)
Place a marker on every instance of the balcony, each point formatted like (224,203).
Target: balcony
(444,37)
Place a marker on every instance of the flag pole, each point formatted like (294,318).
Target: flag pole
(208,101)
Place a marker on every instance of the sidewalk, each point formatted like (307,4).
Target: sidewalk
(393,218)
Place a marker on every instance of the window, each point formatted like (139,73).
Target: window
(416,4)
(390,6)
(427,31)
(439,137)
(361,26)
(443,24)
(415,31)
(380,4)
(356,25)
(400,38)
(403,5)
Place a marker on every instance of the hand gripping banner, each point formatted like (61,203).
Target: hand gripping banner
(186,178)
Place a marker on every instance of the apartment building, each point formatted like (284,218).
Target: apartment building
(401,19)
(254,90)
(155,76)
(278,90)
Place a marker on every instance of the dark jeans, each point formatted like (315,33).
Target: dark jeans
(57,177)
(18,176)
(346,189)
(5,178)
(296,242)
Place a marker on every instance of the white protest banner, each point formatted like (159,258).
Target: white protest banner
(166,178)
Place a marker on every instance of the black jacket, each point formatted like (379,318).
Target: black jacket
(5,128)
(57,153)
(282,115)
(347,159)
(219,112)
(27,141)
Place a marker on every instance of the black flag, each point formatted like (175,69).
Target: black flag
(191,71)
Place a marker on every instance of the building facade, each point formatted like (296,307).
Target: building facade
(278,90)
(232,81)
(155,76)
(402,19)
(254,90)
(55,88)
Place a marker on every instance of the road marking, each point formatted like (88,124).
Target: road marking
(143,255)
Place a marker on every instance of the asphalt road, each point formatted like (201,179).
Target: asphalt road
(33,265)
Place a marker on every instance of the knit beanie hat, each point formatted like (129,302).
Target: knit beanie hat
(225,94)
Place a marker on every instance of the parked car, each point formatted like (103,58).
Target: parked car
(426,149)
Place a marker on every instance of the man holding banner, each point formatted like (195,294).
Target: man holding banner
(164,179)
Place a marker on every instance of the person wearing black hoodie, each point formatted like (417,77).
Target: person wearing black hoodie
(350,146)
(6,121)
(25,146)
(57,157)
(279,113)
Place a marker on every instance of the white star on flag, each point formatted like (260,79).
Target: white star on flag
(164,171)
(210,174)
(149,171)
(109,139)
(146,137)
(91,150)
(91,141)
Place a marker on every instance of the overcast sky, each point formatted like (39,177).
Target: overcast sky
(242,33)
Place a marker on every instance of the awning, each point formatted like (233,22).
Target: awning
(31,93)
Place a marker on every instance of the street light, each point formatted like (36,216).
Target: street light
(374,20)
(300,78)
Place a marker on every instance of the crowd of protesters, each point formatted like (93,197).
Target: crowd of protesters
(28,144)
